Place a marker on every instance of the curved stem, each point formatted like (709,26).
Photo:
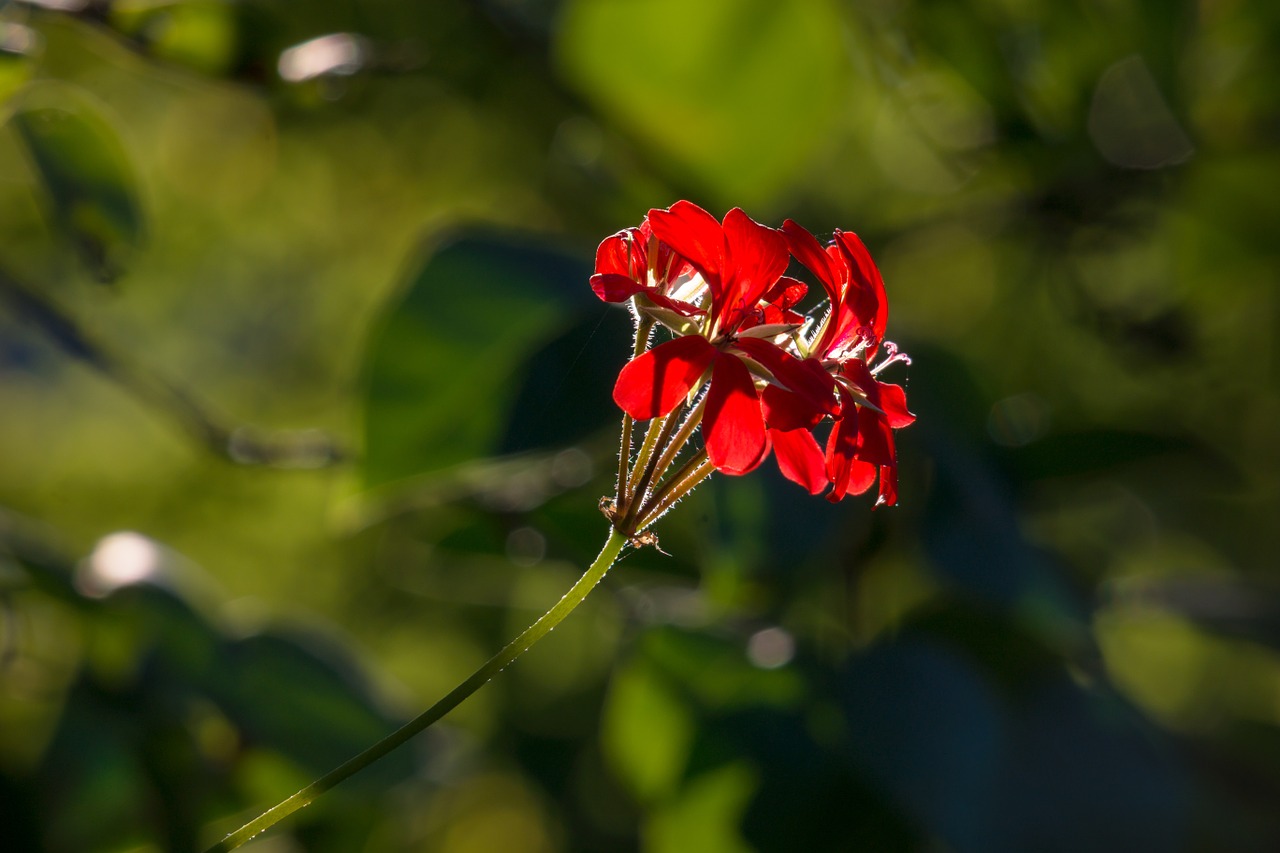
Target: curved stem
(536,631)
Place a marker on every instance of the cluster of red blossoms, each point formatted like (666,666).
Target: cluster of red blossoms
(756,373)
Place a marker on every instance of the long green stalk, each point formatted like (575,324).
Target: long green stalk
(518,646)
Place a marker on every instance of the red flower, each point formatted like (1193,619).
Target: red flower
(861,444)
(720,287)
(740,263)
(633,262)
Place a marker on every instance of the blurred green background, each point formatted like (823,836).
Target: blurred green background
(304,411)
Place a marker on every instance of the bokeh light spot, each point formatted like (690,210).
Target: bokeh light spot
(338,53)
(118,559)
(1018,420)
(1130,122)
(771,648)
(526,546)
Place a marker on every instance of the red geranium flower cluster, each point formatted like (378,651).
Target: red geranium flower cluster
(760,375)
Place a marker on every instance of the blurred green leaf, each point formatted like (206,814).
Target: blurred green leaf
(1183,674)
(443,370)
(15,71)
(290,694)
(166,706)
(1225,605)
(95,774)
(88,175)
(646,732)
(201,34)
(739,95)
(566,391)
(707,816)
(718,673)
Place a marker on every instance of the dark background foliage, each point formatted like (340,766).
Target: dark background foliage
(304,411)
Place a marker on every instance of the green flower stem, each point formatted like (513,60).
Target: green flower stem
(677,443)
(680,484)
(640,488)
(518,646)
(644,328)
(624,459)
(647,447)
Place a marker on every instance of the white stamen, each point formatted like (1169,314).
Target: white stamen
(893,355)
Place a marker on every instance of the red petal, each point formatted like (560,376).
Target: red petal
(809,252)
(669,265)
(773,316)
(755,256)
(807,394)
(786,292)
(786,411)
(862,378)
(893,399)
(869,302)
(841,444)
(844,323)
(856,479)
(875,439)
(683,308)
(694,234)
(733,422)
(621,254)
(888,486)
(847,474)
(654,382)
(800,458)
(612,287)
